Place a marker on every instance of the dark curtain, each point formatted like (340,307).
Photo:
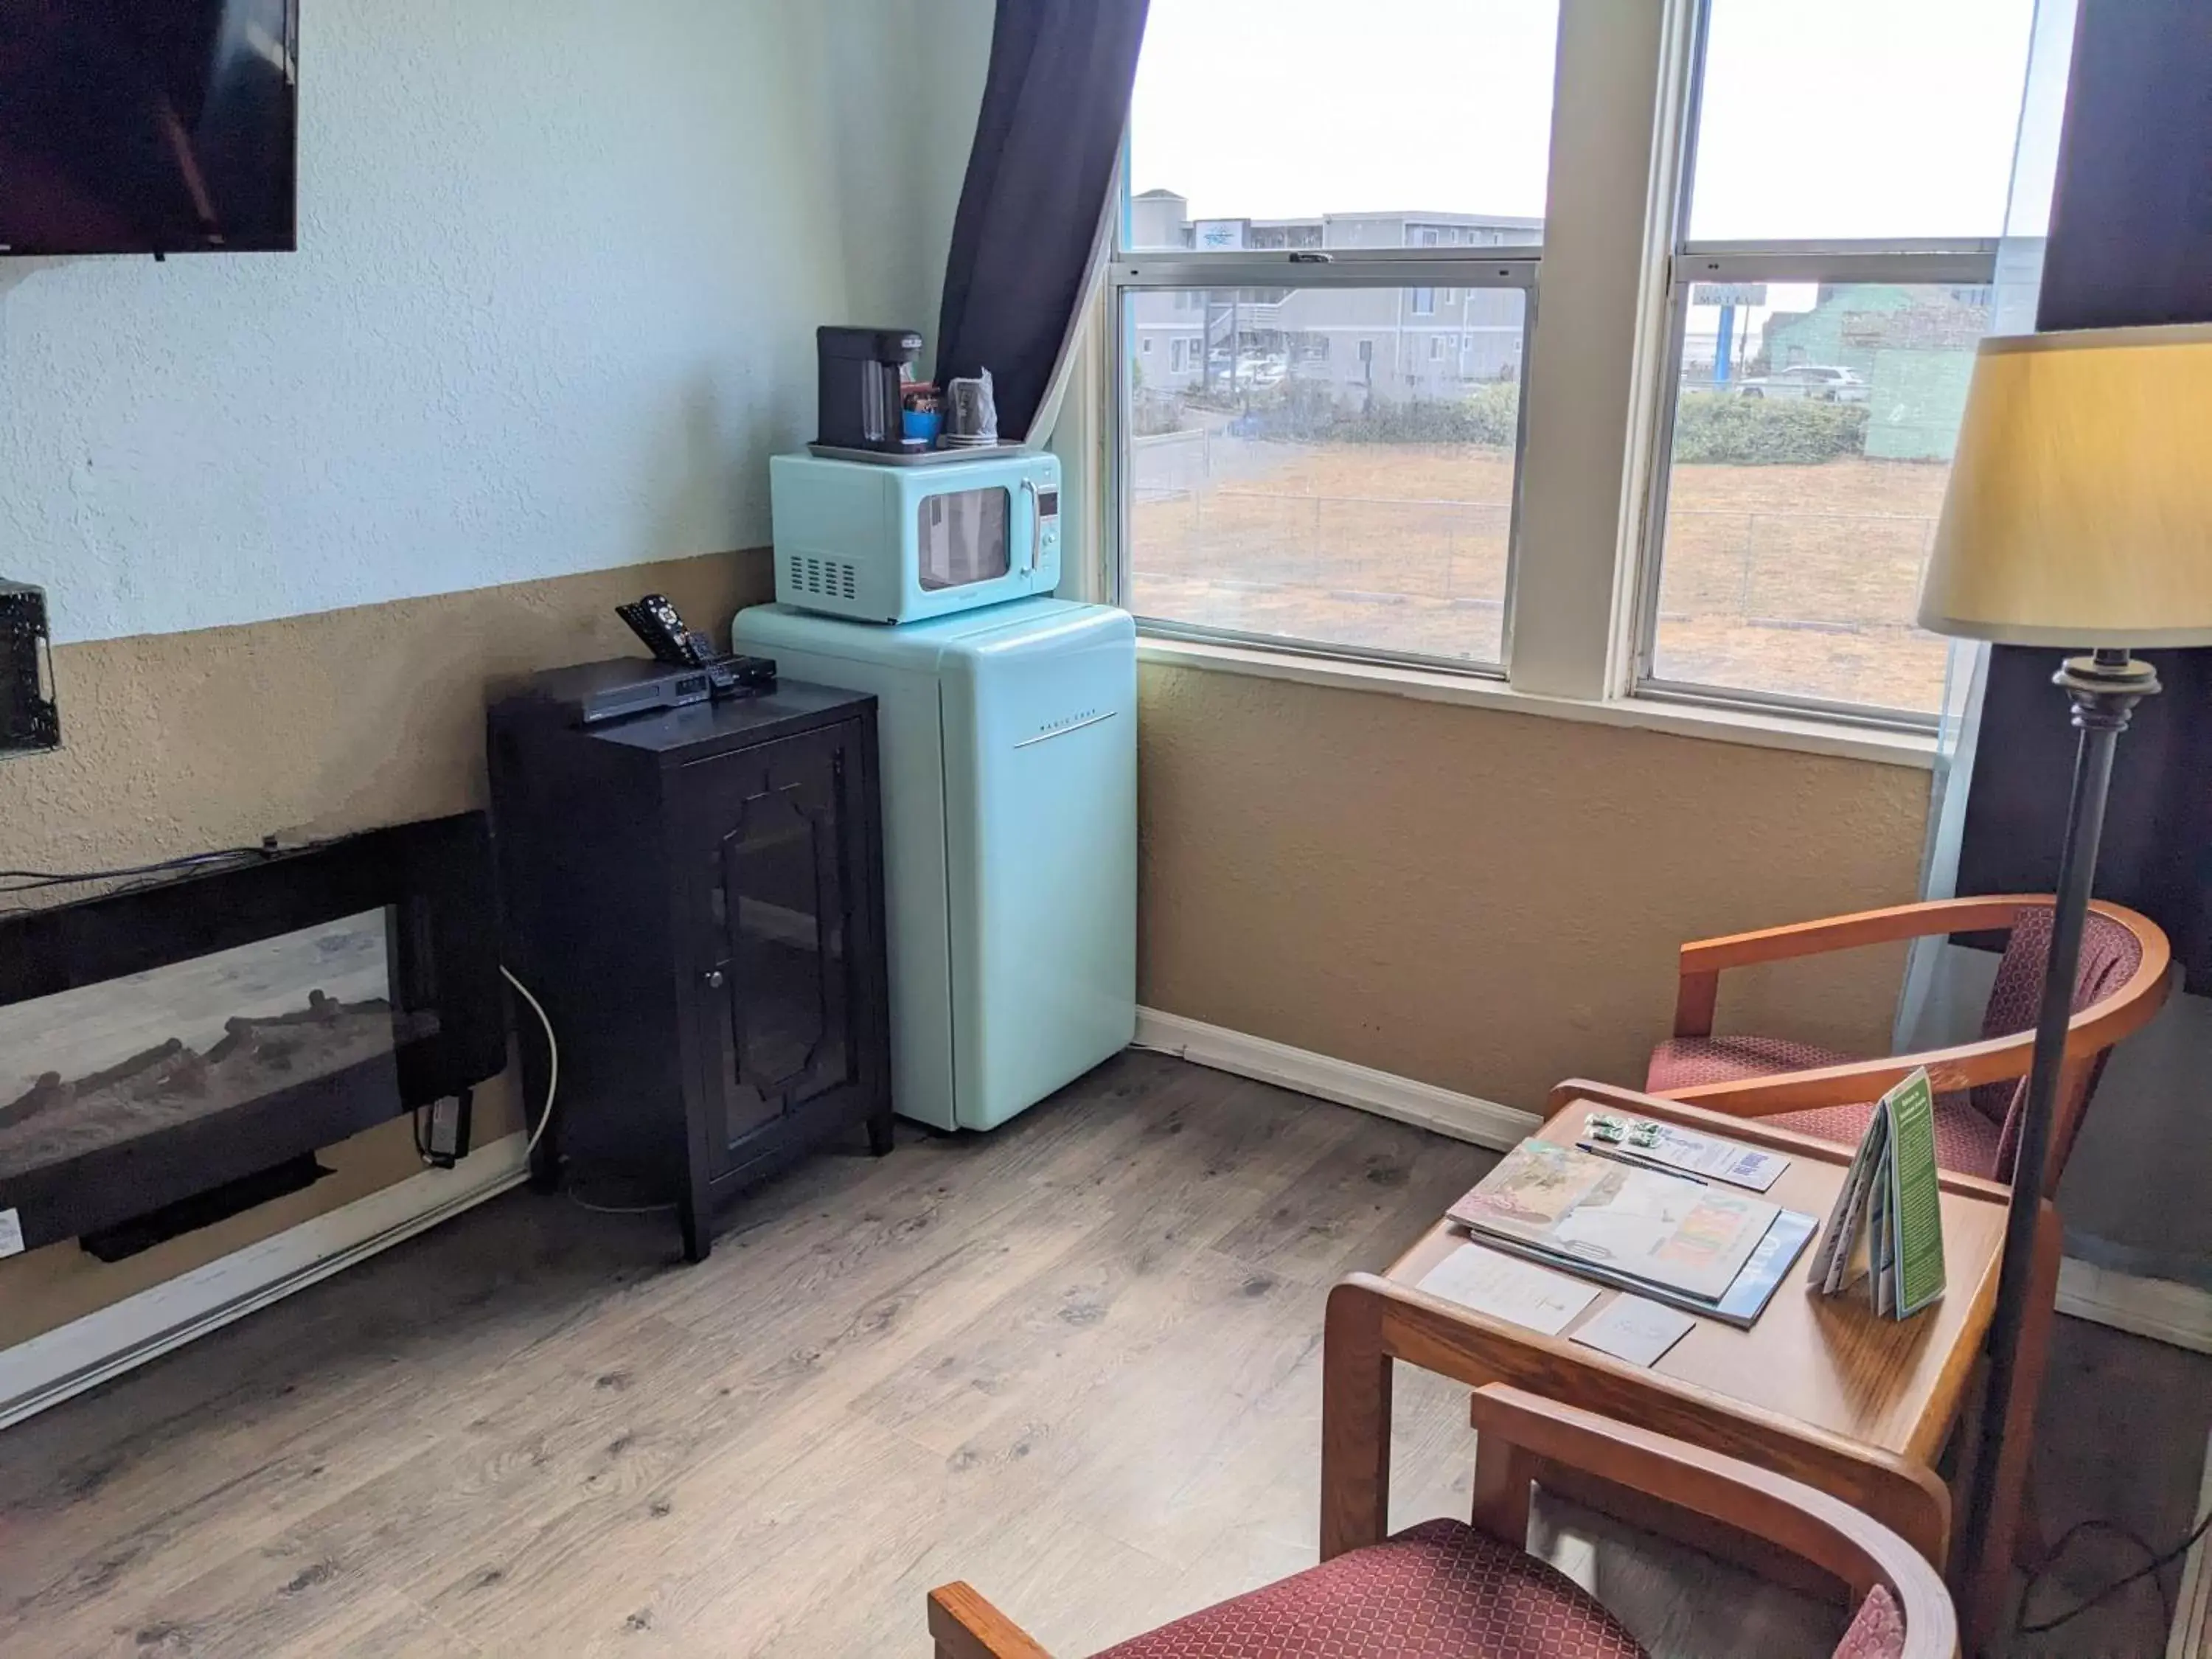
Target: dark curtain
(1055,105)
(2130,244)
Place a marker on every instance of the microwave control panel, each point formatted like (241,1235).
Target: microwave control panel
(1048,502)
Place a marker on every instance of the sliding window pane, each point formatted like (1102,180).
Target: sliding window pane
(1812,439)
(1837,119)
(1330,466)
(1273,124)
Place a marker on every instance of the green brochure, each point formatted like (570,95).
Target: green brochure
(1915,1208)
(1888,1222)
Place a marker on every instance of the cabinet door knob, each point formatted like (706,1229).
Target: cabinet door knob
(714,979)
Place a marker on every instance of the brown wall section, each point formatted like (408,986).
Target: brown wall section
(313,725)
(1490,902)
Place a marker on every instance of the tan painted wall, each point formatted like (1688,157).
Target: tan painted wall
(319,725)
(1486,901)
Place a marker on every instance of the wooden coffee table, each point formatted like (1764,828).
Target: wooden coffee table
(1820,1389)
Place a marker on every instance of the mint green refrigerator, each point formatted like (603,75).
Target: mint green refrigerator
(1009,765)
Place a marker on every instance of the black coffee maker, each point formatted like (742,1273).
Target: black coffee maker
(862,371)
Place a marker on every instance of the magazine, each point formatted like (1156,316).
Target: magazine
(1744,1300)
(1663,1230)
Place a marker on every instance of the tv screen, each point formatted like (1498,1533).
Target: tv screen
(147,126)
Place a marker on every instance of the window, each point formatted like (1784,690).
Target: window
(1827,299)
(1292,493)
(1312,480)
(1148,348)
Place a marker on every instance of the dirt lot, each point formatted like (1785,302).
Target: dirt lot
(1794,578)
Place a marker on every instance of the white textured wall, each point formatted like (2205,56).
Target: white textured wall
(561,262)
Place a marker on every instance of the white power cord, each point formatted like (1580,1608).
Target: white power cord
(552,1059)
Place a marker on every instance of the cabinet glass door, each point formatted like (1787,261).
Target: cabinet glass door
(778,988)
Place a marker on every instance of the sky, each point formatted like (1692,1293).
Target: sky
(1822,118)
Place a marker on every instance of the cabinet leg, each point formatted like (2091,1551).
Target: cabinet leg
(694,1209)
(879,1135)
(545,1160)
(698,1237)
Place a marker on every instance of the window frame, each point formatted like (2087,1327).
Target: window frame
(1914,261)
(1917,262)
(1134,271)
(1592,461)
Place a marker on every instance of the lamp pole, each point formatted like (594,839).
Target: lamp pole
(2104,689)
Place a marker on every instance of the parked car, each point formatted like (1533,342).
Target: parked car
(1824,383)
(1253,372)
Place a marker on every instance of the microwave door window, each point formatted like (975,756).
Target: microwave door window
(961,537)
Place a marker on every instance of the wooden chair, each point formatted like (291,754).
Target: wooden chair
(1447,1590)
(1979,1085)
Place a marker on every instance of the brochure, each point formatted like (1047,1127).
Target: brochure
(1887,1223)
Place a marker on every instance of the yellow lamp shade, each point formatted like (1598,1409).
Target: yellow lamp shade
(2080,509)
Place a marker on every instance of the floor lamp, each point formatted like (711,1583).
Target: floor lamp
(2079,515)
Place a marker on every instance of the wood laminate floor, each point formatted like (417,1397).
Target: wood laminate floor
(1075,1361)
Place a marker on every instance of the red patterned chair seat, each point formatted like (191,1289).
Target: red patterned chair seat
(1439,1590)
(1965,1140)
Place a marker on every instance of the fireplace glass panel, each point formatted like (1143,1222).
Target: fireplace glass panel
(83,1070)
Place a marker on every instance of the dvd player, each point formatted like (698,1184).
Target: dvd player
(595,692)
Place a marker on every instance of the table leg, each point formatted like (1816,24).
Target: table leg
(1984,1585)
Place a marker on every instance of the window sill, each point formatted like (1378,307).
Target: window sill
(1757,729)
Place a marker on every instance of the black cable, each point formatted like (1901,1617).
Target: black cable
(59,878)
(2156,1563)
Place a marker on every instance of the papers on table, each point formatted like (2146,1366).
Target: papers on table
(1506,1288)
(1667,1231)
(1719,1159)
(1671,1237)
(1636,1330)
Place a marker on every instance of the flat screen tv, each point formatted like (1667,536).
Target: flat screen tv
(148,127)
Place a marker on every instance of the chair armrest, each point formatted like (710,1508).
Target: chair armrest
(1703,960)
(1796,1517)
(964,1625)
(1883,926)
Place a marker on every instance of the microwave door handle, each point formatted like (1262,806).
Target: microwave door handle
(1036,523)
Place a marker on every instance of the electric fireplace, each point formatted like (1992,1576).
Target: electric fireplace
(176,1052)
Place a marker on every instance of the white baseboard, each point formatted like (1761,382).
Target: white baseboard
(2160,1308)
(88,1352)
(1463,1118)
(2157,1307)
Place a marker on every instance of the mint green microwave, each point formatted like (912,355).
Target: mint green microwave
(876,542)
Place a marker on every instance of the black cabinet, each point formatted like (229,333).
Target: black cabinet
(697,898)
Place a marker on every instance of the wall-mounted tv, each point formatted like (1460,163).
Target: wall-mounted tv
(148,127)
